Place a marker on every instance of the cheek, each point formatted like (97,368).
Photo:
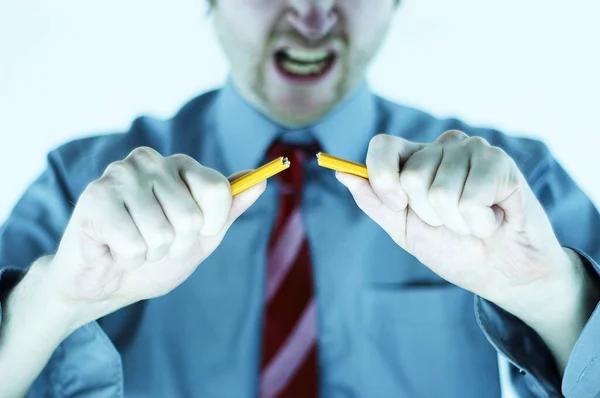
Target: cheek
(367,21)
(247,19)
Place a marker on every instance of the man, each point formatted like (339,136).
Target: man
(146,278)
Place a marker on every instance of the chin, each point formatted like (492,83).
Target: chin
(301,107)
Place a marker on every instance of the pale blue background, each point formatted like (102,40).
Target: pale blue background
(70,68)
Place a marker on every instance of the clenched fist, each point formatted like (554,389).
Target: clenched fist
(463,208)
(141,230)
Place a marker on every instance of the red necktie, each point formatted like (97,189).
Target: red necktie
(289,355)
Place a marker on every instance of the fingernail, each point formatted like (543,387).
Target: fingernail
(395,202)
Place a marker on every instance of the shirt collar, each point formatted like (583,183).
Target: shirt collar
(245,134)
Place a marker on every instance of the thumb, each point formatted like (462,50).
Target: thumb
(242,201)
(392,221)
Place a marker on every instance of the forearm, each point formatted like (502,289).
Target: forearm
(33,325)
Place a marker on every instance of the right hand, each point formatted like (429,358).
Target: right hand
(140,230)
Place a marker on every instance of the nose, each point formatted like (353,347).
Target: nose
(313,19)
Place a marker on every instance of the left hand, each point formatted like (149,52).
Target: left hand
(463,208)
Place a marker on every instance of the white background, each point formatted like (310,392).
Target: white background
(70,68)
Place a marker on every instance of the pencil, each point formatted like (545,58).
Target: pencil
(262,173)
(345,166)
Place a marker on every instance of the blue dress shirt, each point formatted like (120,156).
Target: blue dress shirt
(388,326)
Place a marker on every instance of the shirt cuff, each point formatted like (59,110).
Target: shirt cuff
(522,347)
(86,364)
(525,349)
(582,374)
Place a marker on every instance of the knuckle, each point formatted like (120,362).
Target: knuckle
(495,160)
(217,187)
(181,158)
(466,207)
(453,135)
(411,179)
(439,197)
(144,152)
(119,170)
(477,142)
(161,237)
(381,141)
(191,222)
(117,177)
(106,188)
(385,178)
(465,204)
(96,189)
(424,158)
(134,250)
(497,155)
(145,157)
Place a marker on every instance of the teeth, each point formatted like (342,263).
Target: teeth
(301,55)
(303,69)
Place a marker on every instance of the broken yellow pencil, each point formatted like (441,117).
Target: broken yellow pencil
(345,166)
(262,173)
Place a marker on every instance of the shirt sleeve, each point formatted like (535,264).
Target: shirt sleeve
(576,222)
(86,363)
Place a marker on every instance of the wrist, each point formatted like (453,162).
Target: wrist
(35,322)
(559,309)
(568,300)
(36,300)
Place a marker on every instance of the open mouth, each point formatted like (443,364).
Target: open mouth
(304,63)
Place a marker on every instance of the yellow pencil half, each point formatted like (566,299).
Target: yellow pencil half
(262,173)
(345,166)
